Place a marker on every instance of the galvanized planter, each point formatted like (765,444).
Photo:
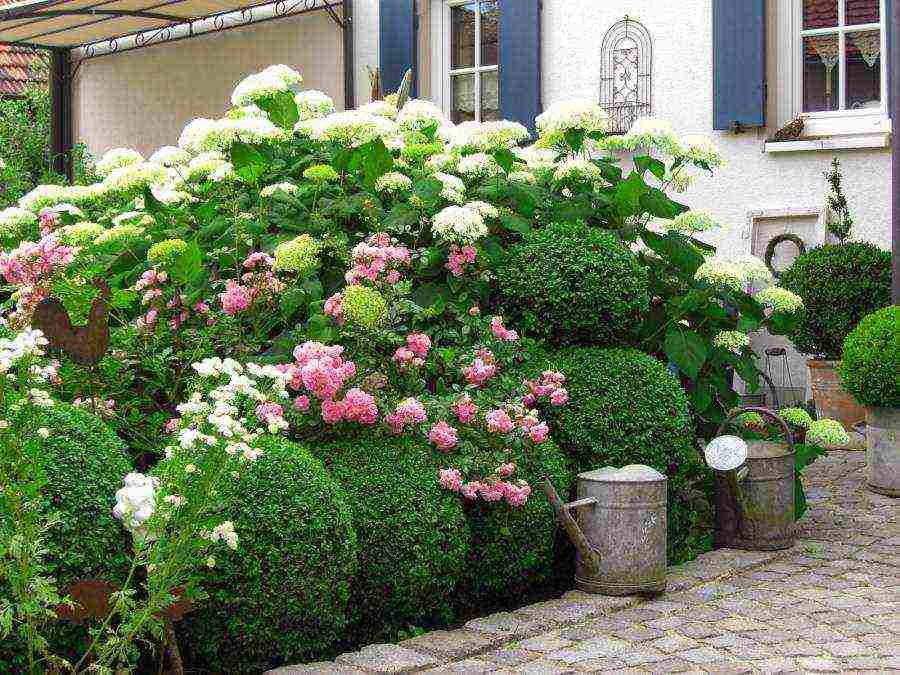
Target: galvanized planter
(883,450)
(755,503)
(620,535)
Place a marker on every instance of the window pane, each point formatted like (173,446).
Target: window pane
(463,97)
(820,73)
(864,69)
(490,96)
(462,35)
(490,32)
(862,11)
(820,14)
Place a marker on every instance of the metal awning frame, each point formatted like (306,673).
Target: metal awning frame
(66,61)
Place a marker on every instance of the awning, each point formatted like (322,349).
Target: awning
(78,23)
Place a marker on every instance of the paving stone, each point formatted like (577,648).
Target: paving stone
(505,627)
(672,643)
(817,664)
(382,658)
(643,655)
(602,665)
(544,667)
(843,649)
(702,655)
(321,668)
(590,649)
(798,648)
(672,666)
(775,665)
(667,623)
(737,624)
(448,645)
(467,666)
(509,656)
(638,634)
(545,643)
(865,663)
(699,630)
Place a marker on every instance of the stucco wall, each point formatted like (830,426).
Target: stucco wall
(143,98)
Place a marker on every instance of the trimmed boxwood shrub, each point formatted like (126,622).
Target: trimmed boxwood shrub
(413,537)
(625,407)
(870,369)
(574,284)
(513,549)
(282,595)
(84,463)
(839,284)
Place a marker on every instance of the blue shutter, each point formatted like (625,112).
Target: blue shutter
(739,63)
(397,43)
(520,60)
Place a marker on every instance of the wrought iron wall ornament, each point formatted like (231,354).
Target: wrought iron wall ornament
(626,73)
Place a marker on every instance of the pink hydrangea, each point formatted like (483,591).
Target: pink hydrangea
(470,490)
(49,221)
(32,263)
(359,406)
(516,494)
(258,260)
(482,369)
(236,298)
(506,470)
(450,479)
(319,369)
(491,491)
(269,412)
(465,409)
(443,436)
(501,332)
(459,258)
(499,422)
(332,411)
(538,433)
(408,413)
(302,403)
(419,344)
(559,397)
(377,260)
(334,307)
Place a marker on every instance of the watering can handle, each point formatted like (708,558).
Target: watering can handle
(589,554)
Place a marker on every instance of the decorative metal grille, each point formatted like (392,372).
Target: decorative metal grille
(626,73)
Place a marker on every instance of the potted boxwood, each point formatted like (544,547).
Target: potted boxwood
(870,370)
(839,284)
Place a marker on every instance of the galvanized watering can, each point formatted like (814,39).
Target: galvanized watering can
(620,535)
(754,488)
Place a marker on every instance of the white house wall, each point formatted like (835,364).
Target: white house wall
(143,98)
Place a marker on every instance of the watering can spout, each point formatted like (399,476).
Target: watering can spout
(589,556)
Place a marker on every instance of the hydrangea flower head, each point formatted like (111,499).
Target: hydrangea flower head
(286,187)
(797,417)
(170,156)
(648,132)
(454,189)
(80,234)
(258,87)
(363,306)
(299,254)
(380,108)
(566,116)
(691,222)
(14,221)
(780,300)
(701,151)
(731,340)
(166,252)
(477,166)
(828,434)
(321,173)
(576,169)
(393,183)
(459,224)
(420,114)
(116,159)
(313,104)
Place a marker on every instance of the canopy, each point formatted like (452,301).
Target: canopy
(56,24)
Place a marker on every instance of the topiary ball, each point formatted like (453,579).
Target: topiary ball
(84,463)
(625,407)
(413,537)
(870,369)
(839,284)
(514,549)
(282,595)
(573,284)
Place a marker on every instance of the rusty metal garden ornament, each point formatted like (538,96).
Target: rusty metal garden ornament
(620,534)
(86,344)
(754,485)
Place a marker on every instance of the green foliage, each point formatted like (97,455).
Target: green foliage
(574,285)
(83,464)
(282,596)
(624,408)
(870,369)
(513,548)
(839,284)
(413,536)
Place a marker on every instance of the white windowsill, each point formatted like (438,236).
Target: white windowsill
(850,142)
(838,132)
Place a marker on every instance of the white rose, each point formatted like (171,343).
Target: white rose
(136,502)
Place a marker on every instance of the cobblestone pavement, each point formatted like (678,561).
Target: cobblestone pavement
(830,604)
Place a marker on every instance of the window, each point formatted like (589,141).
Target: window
(468,62)
(841,49)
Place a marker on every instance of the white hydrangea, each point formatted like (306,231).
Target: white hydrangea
(290,76)
(135,177)
(224,532)
(827,433)
(478,165)
(443,161)
(116,159)
(454,189)
(691,222)
(572,115)
(43,196)
(700,149)
(536,158)
(246,111)
(14,220)
(780,300)
(80,234)
(731,340)
(29,343)
(258,87)
(170,194)
(522,177)
(83,195)
(488,211)
(136,503)
(353,128)
(311,128)
(648,132)
(136,217)
(576,169)
(202,135)
(419,114)
(312,104)
(286,188)
(380,108)
(733,273)
(459,225)
(250,130)
(203,165)
(170,156)
(393,182)
(486,136)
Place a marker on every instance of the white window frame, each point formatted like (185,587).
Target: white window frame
(790,75)
(441,70)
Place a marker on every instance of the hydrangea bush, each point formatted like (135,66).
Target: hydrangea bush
(293,274)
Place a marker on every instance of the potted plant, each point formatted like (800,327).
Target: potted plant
(870,371)
(839,285)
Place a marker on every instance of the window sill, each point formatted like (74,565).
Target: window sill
(849,142)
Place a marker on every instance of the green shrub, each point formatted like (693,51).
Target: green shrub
(871,366)
(413,537)
(513,550)
(282,595)
(625,407)
(84,463)
(574,285)
(839,284)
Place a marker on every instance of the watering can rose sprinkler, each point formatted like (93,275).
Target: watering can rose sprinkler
(620,533)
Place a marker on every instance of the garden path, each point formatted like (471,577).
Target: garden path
(829,604)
